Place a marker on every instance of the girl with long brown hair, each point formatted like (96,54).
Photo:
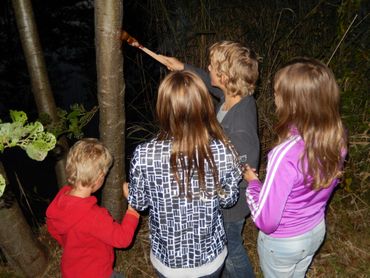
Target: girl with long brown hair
(183,177)
(231,80)
(302,171)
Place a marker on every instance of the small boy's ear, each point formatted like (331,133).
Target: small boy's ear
(101,175)
(100,178)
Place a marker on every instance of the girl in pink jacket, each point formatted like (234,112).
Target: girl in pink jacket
(302,170)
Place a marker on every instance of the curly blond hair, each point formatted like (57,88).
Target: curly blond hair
(86,160)
(238,64)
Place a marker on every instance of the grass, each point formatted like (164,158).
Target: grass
(345,252)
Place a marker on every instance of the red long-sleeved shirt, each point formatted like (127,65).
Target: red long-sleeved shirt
(87,234)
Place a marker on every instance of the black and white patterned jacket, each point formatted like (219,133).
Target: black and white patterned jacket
(185,233)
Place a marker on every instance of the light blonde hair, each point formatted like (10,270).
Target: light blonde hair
(86,161)
(238,64)
(186,117)
(307,97)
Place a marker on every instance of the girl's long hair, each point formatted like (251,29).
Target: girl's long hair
(307,98)
(186,117)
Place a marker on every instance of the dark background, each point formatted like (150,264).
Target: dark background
(66,32)
(278,30)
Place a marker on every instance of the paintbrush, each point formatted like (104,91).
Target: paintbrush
(134,42)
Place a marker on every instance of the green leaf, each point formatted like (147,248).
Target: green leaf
(39,148)
(18,116)
(2,185)
(31,137)
(70,123)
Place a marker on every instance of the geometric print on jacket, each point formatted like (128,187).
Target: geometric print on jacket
(184,232)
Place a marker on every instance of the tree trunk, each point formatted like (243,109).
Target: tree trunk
(39,78)
(22,251)
(109,63)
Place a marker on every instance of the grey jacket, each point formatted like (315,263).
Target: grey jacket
(240,125)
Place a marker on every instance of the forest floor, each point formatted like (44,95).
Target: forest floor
(345,252)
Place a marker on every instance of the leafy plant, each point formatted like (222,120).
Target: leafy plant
(69,123)
(31,137)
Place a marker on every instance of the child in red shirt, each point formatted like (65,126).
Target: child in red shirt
(87,232)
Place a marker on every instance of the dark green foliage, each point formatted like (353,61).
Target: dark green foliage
(69,123)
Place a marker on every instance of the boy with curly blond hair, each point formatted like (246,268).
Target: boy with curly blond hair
(233,73)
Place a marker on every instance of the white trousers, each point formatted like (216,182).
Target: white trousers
(289,257)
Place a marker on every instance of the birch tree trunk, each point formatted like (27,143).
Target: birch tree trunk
(109,63)
(38,74)
(22,251)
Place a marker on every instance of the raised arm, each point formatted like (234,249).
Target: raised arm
(172,63)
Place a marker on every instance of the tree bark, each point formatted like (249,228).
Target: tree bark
(22,251)
(38,74)
(109,63)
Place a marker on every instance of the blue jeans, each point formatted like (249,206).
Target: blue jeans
(289,257)
(237,262)
(117,275)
